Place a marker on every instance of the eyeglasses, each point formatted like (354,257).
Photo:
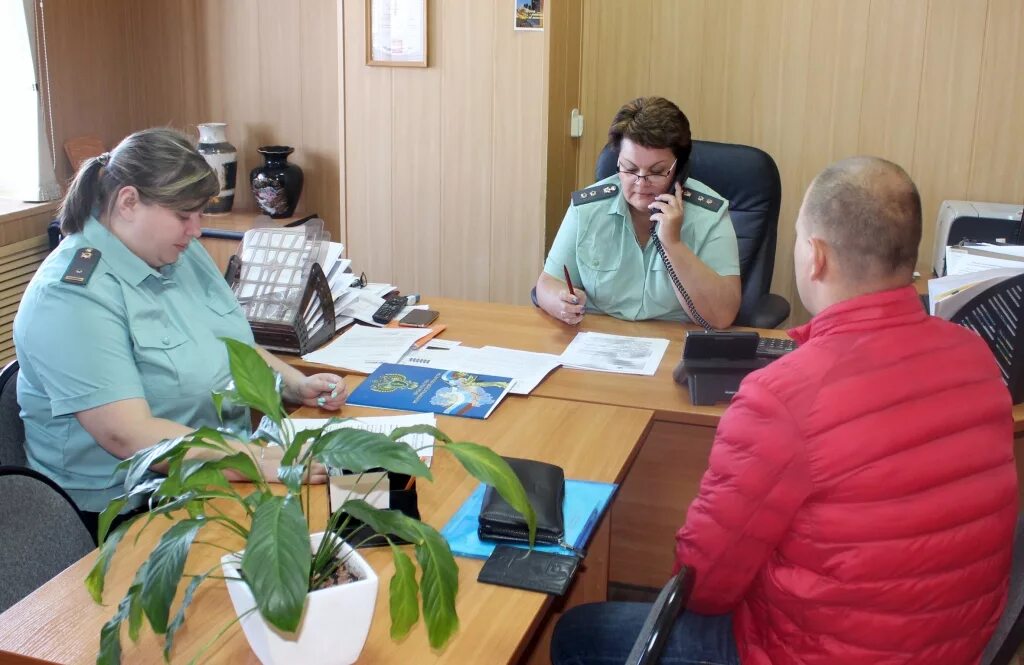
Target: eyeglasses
(359,282)
(651,178)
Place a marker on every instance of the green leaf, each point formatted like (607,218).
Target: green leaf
(391,522)
(439,584)
(135,610)
(96,577)
(277,560)
(166,563)
(358,451)
(179,617)
(112,510)
(294,449)
(110,635)
(487,466)
(404,595)
(291,476)
(440,581)
(255,382)
(399,432)
(218,402)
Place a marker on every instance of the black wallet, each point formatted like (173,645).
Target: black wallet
(532,570)
(545,488)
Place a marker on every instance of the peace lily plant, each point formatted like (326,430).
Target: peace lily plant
(281,564)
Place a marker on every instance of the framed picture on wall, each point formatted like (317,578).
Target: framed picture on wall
(396,33)
(529,14)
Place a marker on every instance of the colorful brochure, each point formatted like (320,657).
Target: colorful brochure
(428,389)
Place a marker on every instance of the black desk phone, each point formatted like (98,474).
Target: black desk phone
(714,363)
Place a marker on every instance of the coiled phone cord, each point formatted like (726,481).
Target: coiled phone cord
(694,314)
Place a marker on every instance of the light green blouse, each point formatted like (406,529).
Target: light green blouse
(130,331)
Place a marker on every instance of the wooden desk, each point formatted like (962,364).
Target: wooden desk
(59,622)
(652,502)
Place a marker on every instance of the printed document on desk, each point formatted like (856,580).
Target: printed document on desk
(615,353)
(966,259)
(526,368)
(946,295)
(421,443)
(363,349)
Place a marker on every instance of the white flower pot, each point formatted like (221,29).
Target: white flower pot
(334,624)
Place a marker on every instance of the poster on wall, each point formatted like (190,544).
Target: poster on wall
(396,33)
(529,14)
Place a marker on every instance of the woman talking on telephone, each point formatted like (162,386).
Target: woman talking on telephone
(687,269)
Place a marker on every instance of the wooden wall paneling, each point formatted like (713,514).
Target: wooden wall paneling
(950,79)
(368,141)
(416,167)
(680,45)
(467,148)
(519,140)
(318,110)
(617,48)
(564,36)
(89,72)
(230,44)
(997,173)
(892,78)
(166,80)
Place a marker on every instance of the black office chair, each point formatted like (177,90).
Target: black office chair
(667,607)
(1009,635)
(749,179)
(42,533)
(12,430)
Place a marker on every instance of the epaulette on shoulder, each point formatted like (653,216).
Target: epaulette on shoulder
(702,200)
(595,193)
(82,264)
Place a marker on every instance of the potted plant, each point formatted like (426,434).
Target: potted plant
(283,571)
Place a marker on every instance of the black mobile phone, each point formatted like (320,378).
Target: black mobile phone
(418,318)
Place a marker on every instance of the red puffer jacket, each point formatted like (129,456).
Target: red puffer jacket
(861,495)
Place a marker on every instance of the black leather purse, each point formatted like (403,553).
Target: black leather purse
(545,488)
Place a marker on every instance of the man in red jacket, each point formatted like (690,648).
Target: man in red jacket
(861,495)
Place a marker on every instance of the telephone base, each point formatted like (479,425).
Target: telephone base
(708,388)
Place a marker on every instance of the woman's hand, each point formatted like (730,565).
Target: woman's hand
(326,391)
(269,459)
(668,209)
(570,308)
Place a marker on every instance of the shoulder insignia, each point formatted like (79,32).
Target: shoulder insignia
(595,193)
(702,200)
(81,267)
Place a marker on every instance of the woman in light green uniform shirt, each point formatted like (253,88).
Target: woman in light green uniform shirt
(605,244)
(117,335)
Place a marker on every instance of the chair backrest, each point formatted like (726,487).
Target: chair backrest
(749,179)
(12,429)
(666,609)
(42,533)
(1009,633)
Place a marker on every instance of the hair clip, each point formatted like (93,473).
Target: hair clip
(104,159)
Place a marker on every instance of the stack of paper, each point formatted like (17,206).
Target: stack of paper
(615,353)
(525,368)
(946,295)
(966,259)
(363,349)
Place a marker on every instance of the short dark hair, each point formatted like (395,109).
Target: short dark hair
(653,122)
(870,211)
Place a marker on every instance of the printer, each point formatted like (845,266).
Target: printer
(974,221)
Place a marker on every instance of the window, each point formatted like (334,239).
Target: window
(26,168)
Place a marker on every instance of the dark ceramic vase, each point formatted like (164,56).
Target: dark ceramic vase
(277,185)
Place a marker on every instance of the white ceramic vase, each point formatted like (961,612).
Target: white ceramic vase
(223,159)
(335,621)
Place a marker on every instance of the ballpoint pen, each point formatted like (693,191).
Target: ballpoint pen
(568,281)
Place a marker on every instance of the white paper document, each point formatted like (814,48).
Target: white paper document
(615,353)
(363,349)
(946,295)
(525,368)
(421,443)
(963,260)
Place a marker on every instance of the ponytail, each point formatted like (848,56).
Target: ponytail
(82,197)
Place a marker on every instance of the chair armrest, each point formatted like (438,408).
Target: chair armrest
(669,605)
(769,312)
(533,297)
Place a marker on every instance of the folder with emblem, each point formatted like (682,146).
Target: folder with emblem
(278,279)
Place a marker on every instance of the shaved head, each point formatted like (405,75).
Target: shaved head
(869,211)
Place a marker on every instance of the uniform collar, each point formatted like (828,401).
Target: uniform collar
(122,261)
(872,311)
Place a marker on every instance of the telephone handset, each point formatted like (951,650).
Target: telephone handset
(682,173)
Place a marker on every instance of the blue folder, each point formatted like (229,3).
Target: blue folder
(585,502)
